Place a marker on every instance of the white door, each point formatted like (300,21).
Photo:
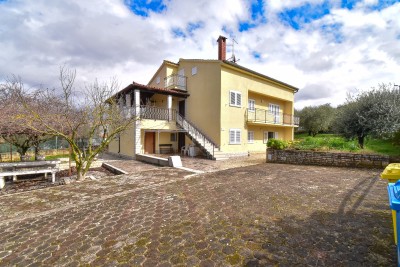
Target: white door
(274,110)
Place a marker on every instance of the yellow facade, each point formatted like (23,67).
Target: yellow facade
(210,84)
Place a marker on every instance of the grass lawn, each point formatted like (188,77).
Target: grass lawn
(56,156)
(334,142)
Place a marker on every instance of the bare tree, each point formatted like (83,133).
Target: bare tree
(11,129)
(92,116)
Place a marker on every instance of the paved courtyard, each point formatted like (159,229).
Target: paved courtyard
(254,215)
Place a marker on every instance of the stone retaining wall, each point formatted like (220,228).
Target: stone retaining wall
(306,157)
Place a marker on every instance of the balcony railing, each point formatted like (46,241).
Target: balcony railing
(157,113)
(268,117)
(151,113)
(175,81)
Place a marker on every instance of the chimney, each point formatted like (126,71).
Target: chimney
(221,47)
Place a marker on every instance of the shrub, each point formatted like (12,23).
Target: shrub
(277,144)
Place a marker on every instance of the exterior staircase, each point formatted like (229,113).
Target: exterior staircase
(207,145)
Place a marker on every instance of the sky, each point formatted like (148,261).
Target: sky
(325,48)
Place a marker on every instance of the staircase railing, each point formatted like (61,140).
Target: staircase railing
(202,139)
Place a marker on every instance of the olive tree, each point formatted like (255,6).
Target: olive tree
(315,119)
(375,112)
(91,114)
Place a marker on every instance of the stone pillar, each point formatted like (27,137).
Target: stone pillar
(136,126)
(169,106)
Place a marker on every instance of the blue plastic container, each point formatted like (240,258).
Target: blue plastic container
(394,201)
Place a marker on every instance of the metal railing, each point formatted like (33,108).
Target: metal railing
(266,116)
(199,137)
(175,81)
(150,113)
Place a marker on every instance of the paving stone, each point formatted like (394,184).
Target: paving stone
(241,216)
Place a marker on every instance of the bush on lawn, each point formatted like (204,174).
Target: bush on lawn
(277,144)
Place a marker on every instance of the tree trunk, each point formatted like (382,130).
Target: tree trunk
(309,133)
(361,141)
(36,152)
(80,174)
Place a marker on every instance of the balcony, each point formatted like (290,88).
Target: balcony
(150,113)
(266,116)
(156,113)
(175,81)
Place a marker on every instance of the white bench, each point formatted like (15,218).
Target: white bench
(30,167)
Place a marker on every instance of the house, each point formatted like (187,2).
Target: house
(221,107)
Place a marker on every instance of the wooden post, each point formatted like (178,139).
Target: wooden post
(11,152)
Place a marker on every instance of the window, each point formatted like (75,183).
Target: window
(235,98)
(194,70)
(173,137)
(275,111)
(234,136)
(158,79)
(250,137)
(270,135)
(252,103)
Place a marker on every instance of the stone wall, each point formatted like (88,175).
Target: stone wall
(306,157)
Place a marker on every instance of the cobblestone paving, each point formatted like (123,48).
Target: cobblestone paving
(262,215)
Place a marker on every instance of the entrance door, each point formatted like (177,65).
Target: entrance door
(149,142)
(181,136)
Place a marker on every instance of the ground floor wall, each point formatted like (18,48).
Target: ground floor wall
(254,138)
(151,142)
(123,144)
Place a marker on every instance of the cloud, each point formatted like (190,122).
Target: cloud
(315,91)
(324,48)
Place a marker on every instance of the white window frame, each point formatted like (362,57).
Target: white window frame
(265,136)
(237,138)
(250,137)
(275,110)
(252,105)
(158,79)
(194,70)
(237,102)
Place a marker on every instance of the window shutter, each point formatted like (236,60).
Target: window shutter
(231,136)
(238,137)
(232,98)
(239,99)
(250,137)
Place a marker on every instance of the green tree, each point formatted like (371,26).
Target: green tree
(375,112)
(315,119)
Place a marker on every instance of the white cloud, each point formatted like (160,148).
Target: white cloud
(343,50)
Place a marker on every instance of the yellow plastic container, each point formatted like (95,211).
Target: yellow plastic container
(391,172)
(392,175)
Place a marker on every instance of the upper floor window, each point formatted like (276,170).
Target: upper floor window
(274,109)
(158,79)
(252,104)
(194,70)
(235,98)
